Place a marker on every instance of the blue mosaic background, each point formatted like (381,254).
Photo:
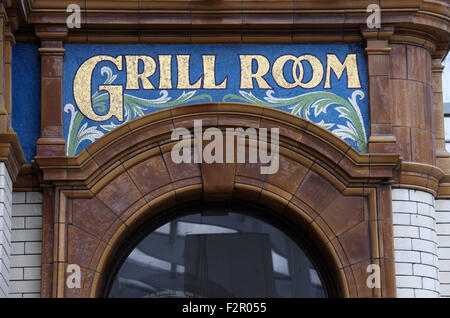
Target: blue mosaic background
(227,65)
(26,96)
(80,131)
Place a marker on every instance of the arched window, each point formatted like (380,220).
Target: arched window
(219,251)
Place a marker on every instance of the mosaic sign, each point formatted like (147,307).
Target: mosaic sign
(106,86)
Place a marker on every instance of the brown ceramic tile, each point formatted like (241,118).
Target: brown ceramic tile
(417,60)
(344,213)
(51,66)
(51,90)
(403,135)
(422,146)
(218,181)
(356,243)
(380,99)
(92,216)
(316,192)
(298,217)
(119,194)
(182,170)
(360,273)
(81,246)
(378,65)
(398,61)
(150,174)
(288,176)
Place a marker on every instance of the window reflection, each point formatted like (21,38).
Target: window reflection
(233,255)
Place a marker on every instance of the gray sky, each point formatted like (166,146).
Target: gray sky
(446,79)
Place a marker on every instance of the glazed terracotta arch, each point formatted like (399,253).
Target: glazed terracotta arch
(339,198)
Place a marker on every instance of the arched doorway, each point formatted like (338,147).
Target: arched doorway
(339,198)
(219,250)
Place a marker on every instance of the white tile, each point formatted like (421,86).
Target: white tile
(33,197)
(26,235)
(401,219)
(427,259)
(442,205)
(402,243)
(406,231)
(16,273)
(405,293)
(404,207)
(443,240)
(32,273)
(33,222)
(444,265)
(33,247)
(426,234)
(421,196)
(407,256)
(31,286)
(17,248)
(424,221)
(425,271)
(408,281)
(18,223)
(444,252)
(443,217)
(400,194)
(403,269)
(25,260)
(424,246)
(429,283)
(425,209)
(445,290)
(444,277)
(18,197)
(443,229)
(27,210)
(422,293)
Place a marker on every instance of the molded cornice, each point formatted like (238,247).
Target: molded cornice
(236,21)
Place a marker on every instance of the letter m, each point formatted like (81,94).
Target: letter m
(338,68)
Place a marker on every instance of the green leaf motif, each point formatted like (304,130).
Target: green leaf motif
(133,107)
(317,103)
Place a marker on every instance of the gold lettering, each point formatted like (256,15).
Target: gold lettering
(82,89)
(183,74)
(133,75)
(278,71)
(278,67)
(350,64)
(247,76)
(165,71)
(209,71)
(317,71)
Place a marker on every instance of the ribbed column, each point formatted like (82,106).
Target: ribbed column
(442,156)
(382,139)
(52,51)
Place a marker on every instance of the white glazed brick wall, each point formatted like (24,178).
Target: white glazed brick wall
(26,240)
(443,233)
(415,244)
(5,229)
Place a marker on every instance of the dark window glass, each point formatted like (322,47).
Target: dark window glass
(232,255)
